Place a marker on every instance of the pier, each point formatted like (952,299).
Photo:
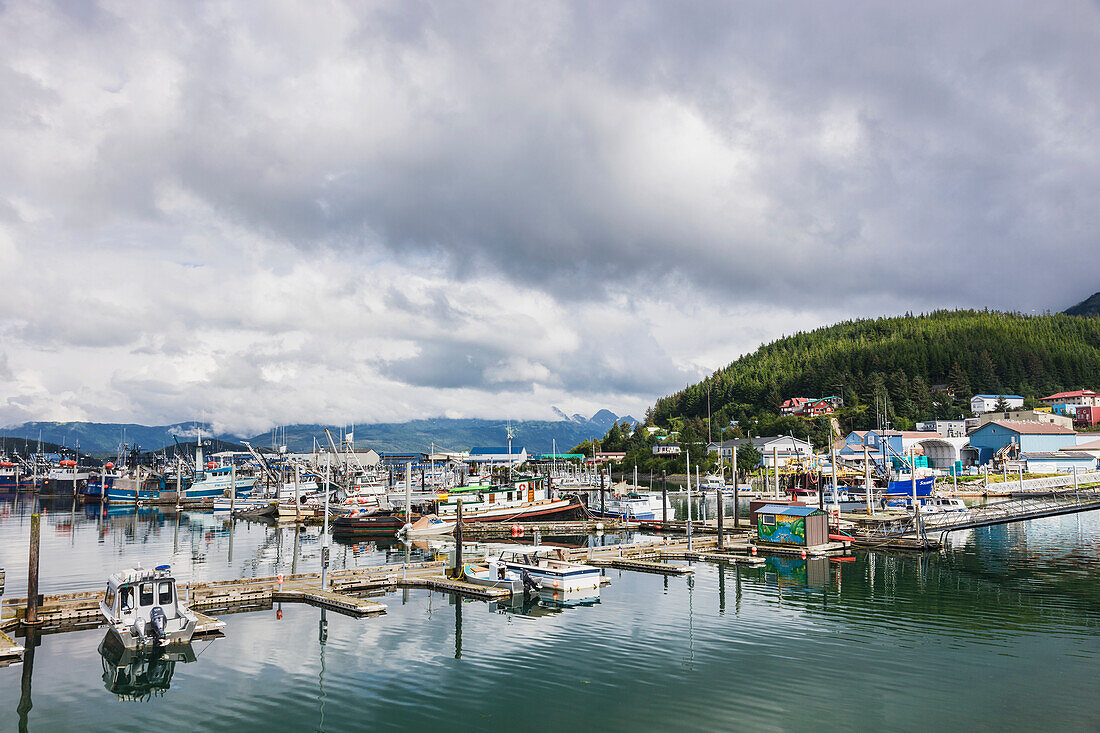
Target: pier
(915,531)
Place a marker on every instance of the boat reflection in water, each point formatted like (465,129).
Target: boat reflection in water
(546,603)
(133,675)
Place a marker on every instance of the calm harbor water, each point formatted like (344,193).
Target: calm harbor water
(1001,631)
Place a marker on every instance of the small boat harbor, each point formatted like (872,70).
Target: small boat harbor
(479,531)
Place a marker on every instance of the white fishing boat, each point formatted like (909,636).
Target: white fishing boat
(548,570)
(143,611)
(631,506)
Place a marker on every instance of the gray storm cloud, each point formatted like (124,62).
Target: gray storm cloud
(210,202)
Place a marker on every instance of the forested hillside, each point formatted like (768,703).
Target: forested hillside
(901,359)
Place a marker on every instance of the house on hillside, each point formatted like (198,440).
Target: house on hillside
(1085,416)
(794,406)
(811,406)
(785,447)
(666,449)
(1070,400)
(1027,437)
(980,403)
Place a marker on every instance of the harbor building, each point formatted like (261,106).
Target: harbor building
(501,455)
(1005,436)
(1026,416)
(1063,461)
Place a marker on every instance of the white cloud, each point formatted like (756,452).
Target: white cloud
(336,211)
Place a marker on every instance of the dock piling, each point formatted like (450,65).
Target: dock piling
(718,493)
(31,618)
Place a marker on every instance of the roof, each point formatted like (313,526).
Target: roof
(496,450)
(910,434)
(1074,393)
(998,396)
(1044,455)
(1091,445)
(794,511)
(1029,427)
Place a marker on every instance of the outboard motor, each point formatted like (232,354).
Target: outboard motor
(529,583)
(158,621)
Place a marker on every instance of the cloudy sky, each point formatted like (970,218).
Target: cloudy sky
(275,212)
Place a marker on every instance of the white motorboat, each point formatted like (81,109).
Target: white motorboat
(929,504)
(427,525)
(632,506)
(143,611)
(548,570)
(498,576)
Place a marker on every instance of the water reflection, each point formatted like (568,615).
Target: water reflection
(139,676)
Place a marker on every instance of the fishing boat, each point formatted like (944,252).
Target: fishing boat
(548,570)
(368,523)
(143,611)
(630,506)
(9,475)
(64,479)
(133,488)
(98,483)
(495,575)
(903,485)
(216,481)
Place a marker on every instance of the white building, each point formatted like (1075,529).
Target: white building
(980,403)
(946,428)
(666,449)
(785,448)
(498,455)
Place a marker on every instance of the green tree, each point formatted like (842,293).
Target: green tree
(748,458)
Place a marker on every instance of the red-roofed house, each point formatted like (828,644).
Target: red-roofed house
(1078,397)
(794,406)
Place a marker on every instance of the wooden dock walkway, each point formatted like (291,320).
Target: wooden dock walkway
(642,566)
(9,650)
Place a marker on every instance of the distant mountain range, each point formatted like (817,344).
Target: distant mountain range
(1088,307)
(538,436)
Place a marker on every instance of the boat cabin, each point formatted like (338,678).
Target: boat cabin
(142,607)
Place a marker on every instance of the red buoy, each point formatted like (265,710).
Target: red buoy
(109,465)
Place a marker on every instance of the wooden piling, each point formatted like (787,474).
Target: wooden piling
(458,543)
(31,619)
(718,493)
(664,496)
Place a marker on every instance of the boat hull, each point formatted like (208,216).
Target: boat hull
(545,510)
(385,525)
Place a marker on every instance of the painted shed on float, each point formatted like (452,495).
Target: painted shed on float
(800,526)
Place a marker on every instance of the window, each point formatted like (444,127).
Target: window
(127,602)
(164,593)
(145,594)
(767,519)
(109,597)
